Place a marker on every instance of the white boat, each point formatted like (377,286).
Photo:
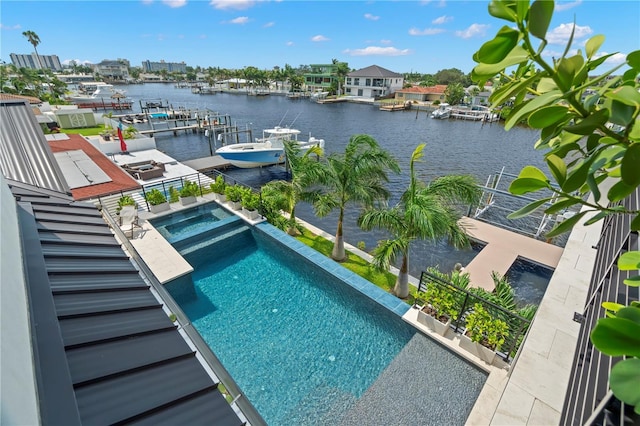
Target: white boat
(444,111)
(265,151)
(103,96)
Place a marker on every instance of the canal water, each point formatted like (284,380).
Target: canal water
(452,147)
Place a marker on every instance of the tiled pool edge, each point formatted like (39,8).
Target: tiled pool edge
(365,287)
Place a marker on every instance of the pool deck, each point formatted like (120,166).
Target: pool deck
(502,249)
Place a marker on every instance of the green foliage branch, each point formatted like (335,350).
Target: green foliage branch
(589,130)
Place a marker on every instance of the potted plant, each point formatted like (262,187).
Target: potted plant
(218,186)
(484,334)
(250,204)
(439,308)
(188,193)
(234,196)
(157,201)
(125,200)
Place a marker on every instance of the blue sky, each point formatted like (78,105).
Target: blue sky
(421,36)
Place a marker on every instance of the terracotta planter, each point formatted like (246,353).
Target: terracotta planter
(185,201)
(434,324)
(475,348)
(159,208)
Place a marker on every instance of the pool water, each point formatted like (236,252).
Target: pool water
(529,281)
(179,226)
(302,345)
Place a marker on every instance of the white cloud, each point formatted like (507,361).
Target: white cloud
(561,33)
(232,4)
(566,6)
(371,17)
(615,59)
(319,37)
(377,51)
(240,20)
(13,27)
(77,61)
(269,24)
(290,43)
(441,3)
(442,19)
(473,31)
(202,36)
(175,3)
(426,31)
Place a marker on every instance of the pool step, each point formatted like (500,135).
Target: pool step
(204,233)
(216,236)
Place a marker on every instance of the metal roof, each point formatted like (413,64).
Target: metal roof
(375,72)
(25,155)
(106,351)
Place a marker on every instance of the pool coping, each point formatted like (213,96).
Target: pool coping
(329,265)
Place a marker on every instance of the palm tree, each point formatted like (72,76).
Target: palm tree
(285,195)
(35,41)
(425,211)
(356,176)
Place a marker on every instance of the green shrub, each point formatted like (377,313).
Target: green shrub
(219,185)
(483,328)
(125,200)
(250,200)
(155,197)
(234,193)
(189,189)
(174,195)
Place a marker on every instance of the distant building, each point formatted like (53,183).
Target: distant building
(321,77)
(51,62)
(422,94)
(148,66)
(373,82)
(111,70)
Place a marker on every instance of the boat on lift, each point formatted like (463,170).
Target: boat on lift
(265,151)
(444,111)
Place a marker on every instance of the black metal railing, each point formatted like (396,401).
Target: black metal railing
(465,300)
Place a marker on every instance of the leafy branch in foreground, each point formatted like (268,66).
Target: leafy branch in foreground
(589,130)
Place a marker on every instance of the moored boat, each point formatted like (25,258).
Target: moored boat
(104,96)
(265,151)
(444,111)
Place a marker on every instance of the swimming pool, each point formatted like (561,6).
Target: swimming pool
(302,345)
(529,281)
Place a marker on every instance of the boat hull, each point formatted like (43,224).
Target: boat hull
(247,155)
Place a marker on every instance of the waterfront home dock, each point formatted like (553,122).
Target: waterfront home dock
(394,107)
(207,163)
(502,249)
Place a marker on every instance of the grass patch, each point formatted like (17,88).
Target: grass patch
(354,263)
(85,131)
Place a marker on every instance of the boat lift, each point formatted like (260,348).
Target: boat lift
(488,201)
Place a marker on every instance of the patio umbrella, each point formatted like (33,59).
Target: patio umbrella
(123,145)
(118,96)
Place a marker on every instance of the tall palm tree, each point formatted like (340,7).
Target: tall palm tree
(35,41)
(358,176)
(305,172)
(425,211)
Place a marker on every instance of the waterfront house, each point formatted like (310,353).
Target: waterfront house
(321,77)
(373,82)
(422,94)
(115,71)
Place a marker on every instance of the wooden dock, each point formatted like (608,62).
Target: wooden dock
(393,107)
(207,163)
(502,249)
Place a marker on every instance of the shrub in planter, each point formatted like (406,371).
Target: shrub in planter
(189,192)
(125,200)
(157,201)
(251,203)
(483,328)
(439,308)
(218,187)
(234,195)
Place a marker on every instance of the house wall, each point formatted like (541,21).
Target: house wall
(17,381)
(372,87)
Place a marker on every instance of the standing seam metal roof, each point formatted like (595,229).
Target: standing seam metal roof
(106,352)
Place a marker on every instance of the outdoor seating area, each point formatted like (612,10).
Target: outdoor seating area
(145,170)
